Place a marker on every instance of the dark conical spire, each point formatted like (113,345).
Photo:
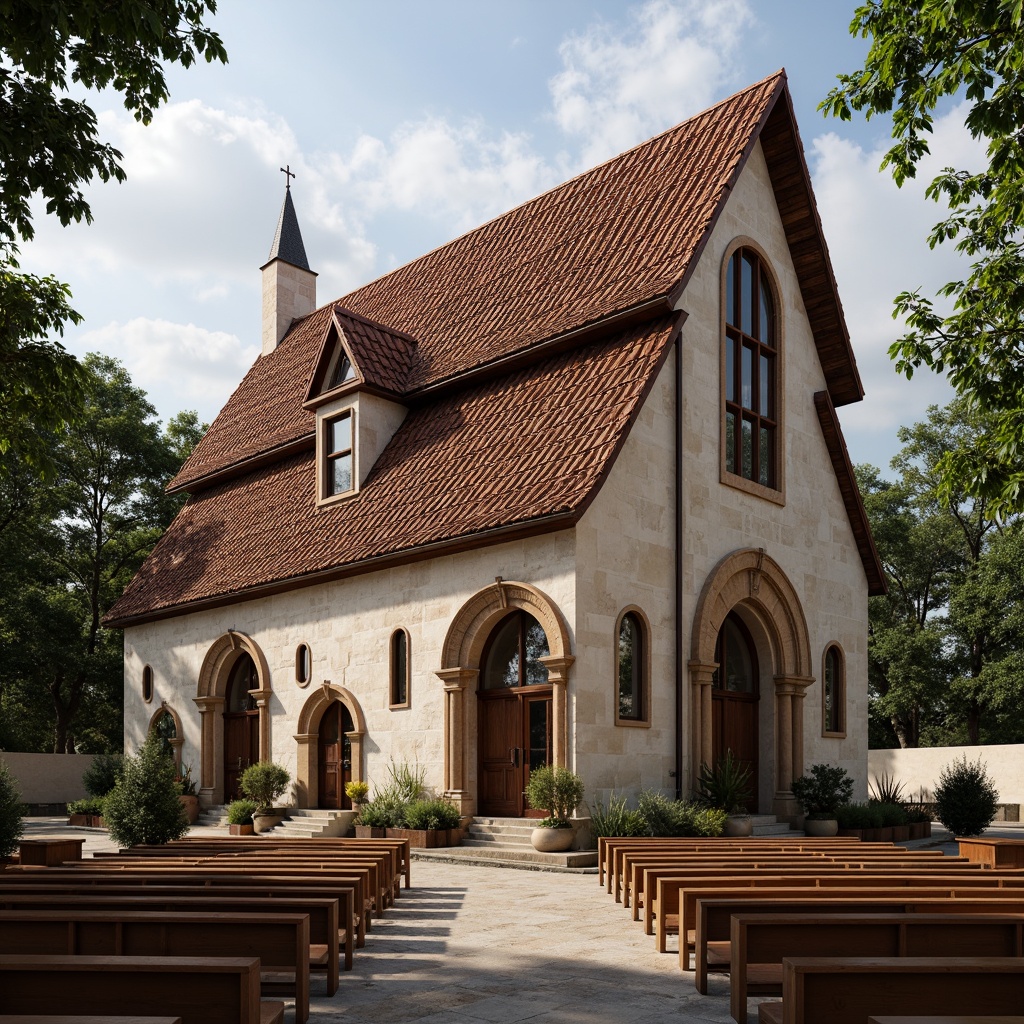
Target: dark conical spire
(288,239)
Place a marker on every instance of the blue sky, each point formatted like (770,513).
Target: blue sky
(408,123)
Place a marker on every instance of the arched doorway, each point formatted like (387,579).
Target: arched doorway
(241,724)
(513,714)
(334,757)
(735,697)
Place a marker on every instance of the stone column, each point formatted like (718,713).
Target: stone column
(211,787)
(262,698)
(789,742)
(457,681)
(701,738)
(558,677)
(307,779)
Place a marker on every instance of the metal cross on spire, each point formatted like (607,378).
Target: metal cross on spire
(289,174)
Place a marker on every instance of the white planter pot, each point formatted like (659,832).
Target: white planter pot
(821,828)
(551,840)
(739,825)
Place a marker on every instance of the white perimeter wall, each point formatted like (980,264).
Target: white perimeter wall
(918,769)
(48,778)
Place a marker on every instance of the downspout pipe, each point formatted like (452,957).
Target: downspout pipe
(680,634)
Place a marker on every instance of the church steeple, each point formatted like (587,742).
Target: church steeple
(289,286)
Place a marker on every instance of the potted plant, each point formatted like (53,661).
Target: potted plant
(356,792)
(558,791)
(430,823)
(240,814)
(373,820)
(821,792)
(727,787)
(264,782)
(187,793)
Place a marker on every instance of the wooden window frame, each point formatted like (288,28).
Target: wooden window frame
(397,705)
(643,719)
(732,334)
(147,684)
(839,696)
(328,457)
(301,680)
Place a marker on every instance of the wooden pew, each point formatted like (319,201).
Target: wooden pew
(943,1019)
(325,939)
(200,990)
(50,1018)
(674,912)
(760,942)
(279,941)
(715,910)
(844,990)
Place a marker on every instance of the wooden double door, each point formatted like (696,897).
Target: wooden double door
(514,738)
(334,757)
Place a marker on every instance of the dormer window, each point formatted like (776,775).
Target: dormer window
(341,372)
(338,449)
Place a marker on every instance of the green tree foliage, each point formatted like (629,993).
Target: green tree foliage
(922,53)
(143,806)
(965,797)
(67,552)
(11,826)
(51,53)
(943,650)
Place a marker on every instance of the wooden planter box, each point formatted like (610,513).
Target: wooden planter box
(851,833)
(50,852)
(371,832)
(427,839)
(990,853)
(80,820)
(920,829)
(241,830)
(900,833)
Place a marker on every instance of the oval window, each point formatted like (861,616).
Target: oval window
(147,684)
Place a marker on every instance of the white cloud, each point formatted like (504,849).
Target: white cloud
(618,88)
(181,366)
(876,234)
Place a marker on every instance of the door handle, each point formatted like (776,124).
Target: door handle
(513,756)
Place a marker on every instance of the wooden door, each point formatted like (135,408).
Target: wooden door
(536,716)
(735,700)
(334,757)
(241,749)
(499,742)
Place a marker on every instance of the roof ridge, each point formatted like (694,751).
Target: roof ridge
(370,322)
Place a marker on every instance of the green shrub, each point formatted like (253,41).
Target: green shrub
(556,790)
(823,790)
(965,797)
(431,814)
(264,782)
(889,815)
(240,812)
(99,778)
(917,813)
(616,819)
(665,817)
(709,821)
(11,825)
(90,805)
(726,785)
(143,806)
(380,813)
(405,783)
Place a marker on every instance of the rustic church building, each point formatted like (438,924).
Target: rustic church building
(570,489)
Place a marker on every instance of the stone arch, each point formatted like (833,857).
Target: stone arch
(307,736)
(750,581)
(461,656)
(179,734)
(210,696)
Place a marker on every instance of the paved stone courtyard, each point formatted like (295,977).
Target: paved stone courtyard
(486,944)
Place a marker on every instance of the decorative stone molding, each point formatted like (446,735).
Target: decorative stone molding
(307,737)
(751,578)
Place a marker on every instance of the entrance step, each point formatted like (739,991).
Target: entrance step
(214,816)
(769,825)
(309,823)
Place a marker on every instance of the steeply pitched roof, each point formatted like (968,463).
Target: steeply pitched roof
(619,236)
(519,454)
(287,244)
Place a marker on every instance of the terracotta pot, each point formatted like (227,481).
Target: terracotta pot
(821,827)
(739,825)
(241,830)
(552,840)
(191,805)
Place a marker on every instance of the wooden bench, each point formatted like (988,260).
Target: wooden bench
(49,852)
(843,990)
(993,853)
(944,1019)
(760,942)
(715,909)
(279,941)
(199,990)
(49,1018)
(675,912)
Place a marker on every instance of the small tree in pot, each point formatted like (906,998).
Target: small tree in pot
(264,782)
(821,792)
(558,791)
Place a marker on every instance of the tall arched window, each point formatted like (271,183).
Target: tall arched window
(631,670)
(833,692)
(751,371)
(513,654)
(399,662)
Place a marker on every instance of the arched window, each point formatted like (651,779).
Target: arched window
(165,728)
(399,661)
(513,654)
(833,692)
(147,684)
(632,692)
(244,678)
(303,664)
(751,372)
(737,659)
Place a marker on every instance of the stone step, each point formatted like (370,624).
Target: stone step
(524,858)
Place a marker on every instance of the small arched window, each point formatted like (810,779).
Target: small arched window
(147,684)
(632,672)
(751,436)
(166,730)
(399,661)
(833,692)
(303,664)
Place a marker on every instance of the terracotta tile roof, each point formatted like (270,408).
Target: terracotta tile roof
(382,356)
(617,236)
(516,452)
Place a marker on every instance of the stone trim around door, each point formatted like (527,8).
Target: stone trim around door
(750,578)
(307,736)
(461,656)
